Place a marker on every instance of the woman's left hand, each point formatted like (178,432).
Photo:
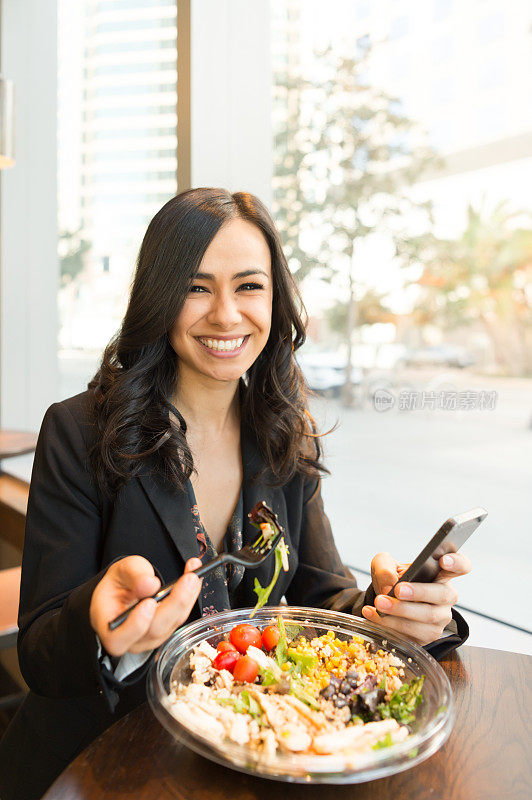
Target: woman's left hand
(419,611)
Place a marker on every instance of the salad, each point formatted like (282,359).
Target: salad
(265,520)
(276,691)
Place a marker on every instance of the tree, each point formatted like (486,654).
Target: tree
(371,308)
(345,162)
(72,250)
(482,277)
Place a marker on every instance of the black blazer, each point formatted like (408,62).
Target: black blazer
(73,533)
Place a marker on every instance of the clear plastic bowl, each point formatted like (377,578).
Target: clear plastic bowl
(434,716)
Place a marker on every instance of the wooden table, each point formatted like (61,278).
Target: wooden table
(16,443)
(486,758)
(14,491)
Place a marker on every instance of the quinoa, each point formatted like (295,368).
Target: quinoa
(325,689)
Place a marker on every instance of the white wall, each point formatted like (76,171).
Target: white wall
(231,137)
(29,266)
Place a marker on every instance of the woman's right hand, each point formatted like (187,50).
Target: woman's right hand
(150,623)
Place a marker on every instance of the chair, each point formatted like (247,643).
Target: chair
(9,599)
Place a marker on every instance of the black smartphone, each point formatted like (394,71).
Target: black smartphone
(449,539)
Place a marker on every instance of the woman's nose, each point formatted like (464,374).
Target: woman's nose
(224,310)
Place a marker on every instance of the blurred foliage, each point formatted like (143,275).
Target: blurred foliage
(72,250)
(345,158)
(371,308)
(484,276)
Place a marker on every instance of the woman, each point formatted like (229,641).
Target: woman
(197,412)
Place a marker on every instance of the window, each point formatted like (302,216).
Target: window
(442,9)
(132,133)
(134,155)
(117,162)
(133,47)
(363,8)
(398,27)
(441,134)
(132,111)
(398,470)
(443,90)
(127,69)
(364,42)
(442,49)
(136,177)
(491,29)
(125,90)
(134,25)
(489,119)
(491,75)
(130,5)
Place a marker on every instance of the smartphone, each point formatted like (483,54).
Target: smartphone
(449,539)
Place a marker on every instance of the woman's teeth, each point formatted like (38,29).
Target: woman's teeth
(222,344)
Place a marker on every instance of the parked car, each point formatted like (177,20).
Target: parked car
(324,372)
(438,356)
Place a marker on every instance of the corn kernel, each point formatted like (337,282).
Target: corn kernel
(285,667)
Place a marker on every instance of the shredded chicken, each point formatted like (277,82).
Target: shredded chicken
(224,679)
(353,736)
(207,650)
(195,719)
(317,719)
(271,718)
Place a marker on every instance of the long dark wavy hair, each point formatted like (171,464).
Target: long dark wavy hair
(135,382)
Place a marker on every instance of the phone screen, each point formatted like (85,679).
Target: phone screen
(449,539)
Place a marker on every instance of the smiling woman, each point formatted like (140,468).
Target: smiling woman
(197,413)
(226,319)
(191,298)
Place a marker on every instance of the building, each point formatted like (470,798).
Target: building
(117,146)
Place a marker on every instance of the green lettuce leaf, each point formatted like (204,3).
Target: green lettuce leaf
(292,630)
(298,691)
(306,660)
(264,593)
(243,703)
(282,646)
(403,702)
(386,742)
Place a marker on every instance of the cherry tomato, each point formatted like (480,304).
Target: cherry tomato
(270,637)
(223,646)
(226,660)
(245,669)
(242,636)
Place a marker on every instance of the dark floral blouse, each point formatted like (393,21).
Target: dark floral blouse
(218,585)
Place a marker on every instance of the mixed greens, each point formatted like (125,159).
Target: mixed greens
(275,689)
(242,703)
(403,702)
(265,520)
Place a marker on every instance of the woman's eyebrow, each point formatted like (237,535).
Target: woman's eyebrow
(208,276)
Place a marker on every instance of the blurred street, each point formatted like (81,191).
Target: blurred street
(397,475)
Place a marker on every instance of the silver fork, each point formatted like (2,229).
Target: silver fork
(250,556)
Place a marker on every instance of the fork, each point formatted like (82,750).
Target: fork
(250,556)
